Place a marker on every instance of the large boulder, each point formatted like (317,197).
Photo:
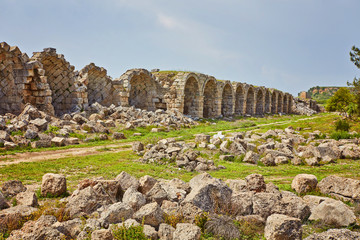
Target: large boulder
(12,187)
(40,229)
(134,198)
(334,213)
(209,193)
(282,227)
(27,198)
(151,213)
(332,234)
(241,203)
(146,183)
(3,203)
(87,200)
(126,180)
(303,183)
(341,187)
(251,157)
(187,231)
(166,232)
(53,184)
(116,213)
(255,182)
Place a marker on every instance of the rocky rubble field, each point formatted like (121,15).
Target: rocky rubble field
(37,129)
(162,209)
(271,148)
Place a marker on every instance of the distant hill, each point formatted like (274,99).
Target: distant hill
(321,94)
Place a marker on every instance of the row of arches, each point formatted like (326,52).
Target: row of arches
(226,99)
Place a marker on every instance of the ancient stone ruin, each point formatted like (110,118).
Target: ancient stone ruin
(50,83)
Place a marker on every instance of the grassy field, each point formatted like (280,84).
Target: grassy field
(112,157)
(108,164)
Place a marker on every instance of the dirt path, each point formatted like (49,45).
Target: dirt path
(85,151)
(55,154)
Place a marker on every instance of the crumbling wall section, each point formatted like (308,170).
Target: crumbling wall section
(100,87)
(67,94)
(22,81)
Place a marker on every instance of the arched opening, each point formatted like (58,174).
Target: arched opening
(267,102)
(210,93)
(280,103)
(285,108)
(227,101)
(191,97)
(250,101)
(273,102)
(289,104)
(239,101)
(142,92)
(259,103)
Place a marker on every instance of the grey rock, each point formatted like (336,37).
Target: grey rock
(280,227)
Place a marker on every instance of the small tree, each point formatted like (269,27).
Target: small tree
(355,84)
(342,101)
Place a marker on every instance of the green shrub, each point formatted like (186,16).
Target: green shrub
(17,133)
(342,125)
(340,135)
(201,220)
(52,129)
(130,233)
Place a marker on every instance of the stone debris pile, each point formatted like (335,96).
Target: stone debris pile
(182,154)
(99,207)
(38,129)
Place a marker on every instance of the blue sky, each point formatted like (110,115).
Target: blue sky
(290,45)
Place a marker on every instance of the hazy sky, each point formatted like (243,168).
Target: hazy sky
(290,45)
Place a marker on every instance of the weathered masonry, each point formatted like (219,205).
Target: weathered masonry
(49,82)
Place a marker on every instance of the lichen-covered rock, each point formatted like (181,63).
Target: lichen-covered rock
(102,234)
(150,232)
(332,234)
(116,213)
(281,227)
(251,157)
(3,203)
(146,183)
(134,198)
(255,182)
(166,231)
(340,187)
(126,180)
(12,187)
(53,184)
(209,193)
(151,213)
(187,231)
(303,183)
(334,213)
(27,198)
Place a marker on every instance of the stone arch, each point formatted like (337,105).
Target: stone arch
(250,101)
(210,99)
(227,100)
(191,97)
(140,88)
(239,100)
(289,104)
(285,102)
(273,102)
(99,86)
(66,92)
(259,110)
(267,108)
(280,102)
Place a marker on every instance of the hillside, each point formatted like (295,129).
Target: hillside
(322,94)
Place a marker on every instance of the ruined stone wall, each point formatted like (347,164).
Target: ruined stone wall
(21,81)
(100,87)
(50,83)
(67,94)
